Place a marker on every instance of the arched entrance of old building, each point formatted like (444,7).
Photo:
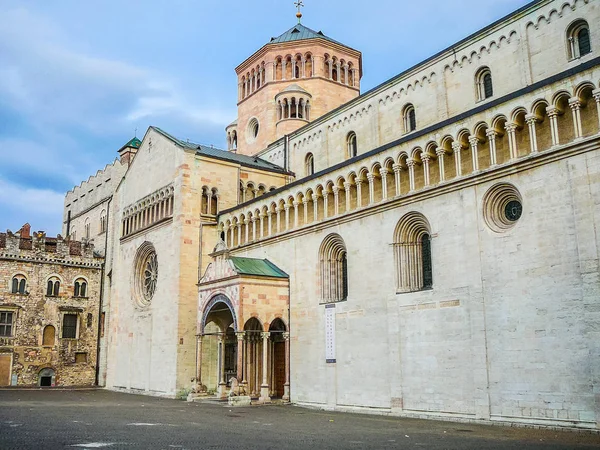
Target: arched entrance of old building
(217,346)
(278,375)
(46,378)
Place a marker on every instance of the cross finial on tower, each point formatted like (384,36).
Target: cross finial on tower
(299,4)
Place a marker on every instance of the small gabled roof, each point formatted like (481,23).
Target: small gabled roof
(295,88)
(133,143)
(211,152)
(257,267)
(300,33)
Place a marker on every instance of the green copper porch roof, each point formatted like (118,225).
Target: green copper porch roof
(257,267)
(300,33)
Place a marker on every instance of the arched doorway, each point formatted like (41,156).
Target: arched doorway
(46,378)
(217,349)
(277,337)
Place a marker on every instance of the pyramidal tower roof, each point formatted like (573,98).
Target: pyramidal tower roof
(300,33)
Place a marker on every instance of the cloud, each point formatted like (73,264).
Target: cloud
(20,204)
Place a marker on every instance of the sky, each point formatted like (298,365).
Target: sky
(78,78)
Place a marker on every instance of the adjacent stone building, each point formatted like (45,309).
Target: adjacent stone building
(427,248)
(49,310)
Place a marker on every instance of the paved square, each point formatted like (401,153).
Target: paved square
(103,419)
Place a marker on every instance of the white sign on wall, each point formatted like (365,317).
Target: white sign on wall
(330,334)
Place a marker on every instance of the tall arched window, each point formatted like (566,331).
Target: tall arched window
(53,287)
(87,228)
(103,222)
(412,251)
(410,118)
(309,164)
(351,145)
(19,283)
(80,288)
(483,83)
(578,39)
(334,269)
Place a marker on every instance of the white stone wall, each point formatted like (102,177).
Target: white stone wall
(142,343)
(507,333)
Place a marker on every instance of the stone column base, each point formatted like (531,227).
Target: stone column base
(222,390)
(286,393)
(264,394)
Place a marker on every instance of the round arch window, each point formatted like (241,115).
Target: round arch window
(146,274)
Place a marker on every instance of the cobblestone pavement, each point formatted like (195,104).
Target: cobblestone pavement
(101,419)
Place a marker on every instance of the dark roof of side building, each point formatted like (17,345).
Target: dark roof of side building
(212,152)
(300,33)
(257,267)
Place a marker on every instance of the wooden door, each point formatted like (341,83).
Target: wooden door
(5,368)
(279,360)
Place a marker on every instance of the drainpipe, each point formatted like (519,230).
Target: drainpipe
(102,292)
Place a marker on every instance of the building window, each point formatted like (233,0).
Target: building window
(80,289)
(578,37)
(412,251)
(334,269)
(253,129)
(502,207)
(309,164)
(146,273)
(87,228)
(351,144)
(483,82)
(103,222)
(18,284)
(80,358)
(53,287)
(48,336)
(69,330)
(410,118)
(6,323)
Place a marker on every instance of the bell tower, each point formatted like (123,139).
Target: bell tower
(292,80)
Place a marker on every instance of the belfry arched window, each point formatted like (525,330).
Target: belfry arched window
(410,118)
(309,164)
(351,144)
(483,83)
(19,283)
(412,251)
(80,288)
(53,287)
(578,39)
(334,269)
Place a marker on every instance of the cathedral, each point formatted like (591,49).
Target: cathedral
(429,248)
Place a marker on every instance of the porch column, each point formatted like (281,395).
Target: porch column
(325,204)
(440,152)
(199,386)
(287,216)
(575,105)
(305,203)
(254,220)
(239,233)
(531,121)
(270,214)
(278,211)
(296,218)
(315,207)
(286,386)
(247,223)
(240,356)
(264,388)
(221,390)
(491,135)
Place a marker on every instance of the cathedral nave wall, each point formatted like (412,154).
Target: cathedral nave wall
(505,333)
